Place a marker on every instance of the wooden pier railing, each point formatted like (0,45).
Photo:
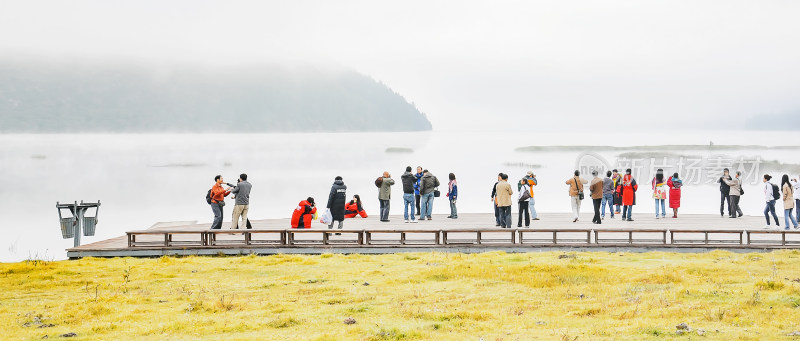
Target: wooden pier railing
(160,239)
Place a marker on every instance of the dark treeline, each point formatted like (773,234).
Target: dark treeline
(74,97)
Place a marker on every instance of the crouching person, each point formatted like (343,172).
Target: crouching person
(303,214)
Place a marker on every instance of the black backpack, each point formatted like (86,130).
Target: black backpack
(208,197)
(379,182)
(776,193)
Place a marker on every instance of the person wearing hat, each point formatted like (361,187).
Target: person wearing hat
(531,180)
(596,191)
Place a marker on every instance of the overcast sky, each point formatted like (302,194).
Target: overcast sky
(473,65)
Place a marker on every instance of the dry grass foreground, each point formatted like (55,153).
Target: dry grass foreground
(489,296)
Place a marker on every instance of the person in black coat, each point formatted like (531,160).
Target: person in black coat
(725,192)
(336,201)
(494,194)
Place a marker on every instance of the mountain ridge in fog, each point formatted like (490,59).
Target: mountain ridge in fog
(66,97)
(789,121)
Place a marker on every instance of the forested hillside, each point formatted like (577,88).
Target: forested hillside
(65,97)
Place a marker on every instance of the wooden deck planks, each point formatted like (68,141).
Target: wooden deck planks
(460,232)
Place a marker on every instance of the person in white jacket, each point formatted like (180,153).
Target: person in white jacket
(523,198)
(770,198)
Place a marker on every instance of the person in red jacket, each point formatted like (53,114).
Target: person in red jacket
(675,185)
(354,208)
(628,190)
(302,215)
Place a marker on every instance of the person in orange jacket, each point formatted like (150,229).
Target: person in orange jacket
(217,201)
(354,208)
(302,215)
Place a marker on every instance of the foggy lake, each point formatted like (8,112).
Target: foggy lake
(149,178)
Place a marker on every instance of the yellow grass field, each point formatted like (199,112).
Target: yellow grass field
(419,296)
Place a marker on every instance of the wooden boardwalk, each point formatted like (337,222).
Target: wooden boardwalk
(469,233)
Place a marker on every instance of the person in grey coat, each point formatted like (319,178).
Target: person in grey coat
(608,196)
(242,193)
(428,184)
(385,195)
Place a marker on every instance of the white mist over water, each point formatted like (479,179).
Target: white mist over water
(144,179)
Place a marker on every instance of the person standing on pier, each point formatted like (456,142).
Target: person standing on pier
(531,179)
(523,195)
(675,185)
(659,194)
(771,194)
(735,185)
(428,185)
(409,188)
(596,191)
(242,193)
(628,190)
(452,194)
(336,200)
(617,179)
(608,196)
(575,184)
(724,192)
(788,201)
(796,189)
(417,195)
(385,196)
(494,200)
(218,195)
(504,193)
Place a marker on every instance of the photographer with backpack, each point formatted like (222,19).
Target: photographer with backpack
(216,198)
(771,194)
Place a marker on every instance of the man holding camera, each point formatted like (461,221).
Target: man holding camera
(242,192)
(531,179)
(218,195)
